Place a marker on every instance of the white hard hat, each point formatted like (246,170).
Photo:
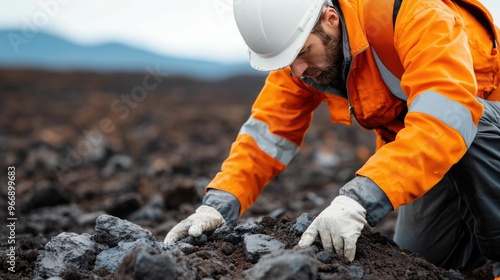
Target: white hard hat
(275,30)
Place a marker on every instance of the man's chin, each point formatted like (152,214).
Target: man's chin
(322,80)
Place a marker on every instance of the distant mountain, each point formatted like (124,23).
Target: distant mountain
(46,51)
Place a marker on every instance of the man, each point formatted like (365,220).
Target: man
(437,126)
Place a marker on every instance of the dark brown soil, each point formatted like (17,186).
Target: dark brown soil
(158,152)
(377,257)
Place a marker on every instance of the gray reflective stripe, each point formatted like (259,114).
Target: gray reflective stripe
(448,111)
(277,147)
(391,81)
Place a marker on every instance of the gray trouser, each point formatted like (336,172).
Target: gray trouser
(457,223)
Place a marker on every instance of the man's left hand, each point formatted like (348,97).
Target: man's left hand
(339,227)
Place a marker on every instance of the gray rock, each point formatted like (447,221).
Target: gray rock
(245,227)
(257,245)
(222,231)
(111,258)
(65,251)
(455,275)
(117,163)
(345,272)
(116,238)
(146,263)
(109,231)
(355,272)
(301,223)
(276,214)
(197,241)
(316,199)
(113,240)
(324,257)
(228,234)
(286,265)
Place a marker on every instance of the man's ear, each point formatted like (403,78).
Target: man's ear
(330,21)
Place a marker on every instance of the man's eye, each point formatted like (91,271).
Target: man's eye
(304,51)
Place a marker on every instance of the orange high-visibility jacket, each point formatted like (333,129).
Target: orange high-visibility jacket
(425,121)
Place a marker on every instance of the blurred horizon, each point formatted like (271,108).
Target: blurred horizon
(49,52)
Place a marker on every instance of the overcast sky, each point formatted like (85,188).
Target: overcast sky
(196,28)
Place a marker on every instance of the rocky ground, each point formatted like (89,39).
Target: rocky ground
(106,165)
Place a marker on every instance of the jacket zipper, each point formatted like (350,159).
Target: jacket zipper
(352,113)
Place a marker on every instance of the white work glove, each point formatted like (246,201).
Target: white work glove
(339,227)
(205,219)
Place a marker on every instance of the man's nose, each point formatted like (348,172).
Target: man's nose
(298,68)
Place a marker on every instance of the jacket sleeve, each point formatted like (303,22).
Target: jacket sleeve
(443,111)
(270,138)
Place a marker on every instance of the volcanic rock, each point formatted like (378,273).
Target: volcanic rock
(65,251)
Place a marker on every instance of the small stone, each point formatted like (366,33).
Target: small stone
(276,214)
(257,245)
(153,266)
(324,257)
(301,223)
(117,163)
(245,227)
(111,258)
(290,265)
(196,241)
(221,232)
(355,272)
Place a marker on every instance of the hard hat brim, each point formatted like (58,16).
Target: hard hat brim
(288,55)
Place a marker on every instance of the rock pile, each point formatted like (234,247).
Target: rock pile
(261,249)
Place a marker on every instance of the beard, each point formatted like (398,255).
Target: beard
(334,58)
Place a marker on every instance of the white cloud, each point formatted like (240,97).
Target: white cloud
(197,28)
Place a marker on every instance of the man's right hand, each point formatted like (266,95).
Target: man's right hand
(205,219)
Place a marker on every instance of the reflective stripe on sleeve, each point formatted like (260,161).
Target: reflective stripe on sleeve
(448,111)
(391,81)
(279,148)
